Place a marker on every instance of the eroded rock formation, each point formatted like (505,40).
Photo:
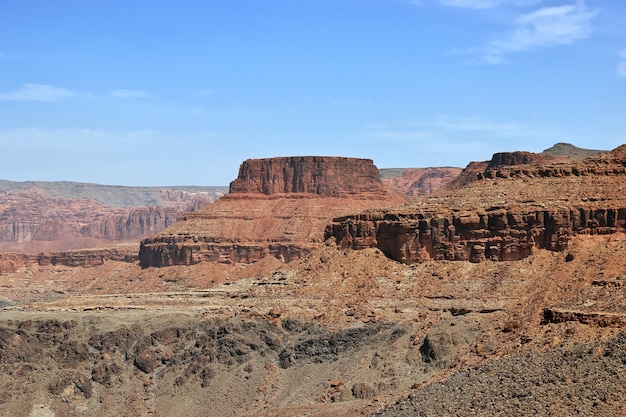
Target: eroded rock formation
(506,208)
(12,262)
(498,235)
(276,207)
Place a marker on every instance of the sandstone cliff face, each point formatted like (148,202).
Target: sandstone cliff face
(277,207)
(516,203)
(13,262)
(498,235)
(321,175)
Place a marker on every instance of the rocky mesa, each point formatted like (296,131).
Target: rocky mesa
(276,207)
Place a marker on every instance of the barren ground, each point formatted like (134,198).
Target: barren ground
(339,333)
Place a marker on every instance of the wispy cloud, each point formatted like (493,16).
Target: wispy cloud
(444,126)
(496,128)
(488,4)
(202,92)
(621,65)
(125,93)
(545,27)
(41,138)
(38,92)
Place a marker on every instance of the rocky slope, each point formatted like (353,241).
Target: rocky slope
(37,216)
(277,207)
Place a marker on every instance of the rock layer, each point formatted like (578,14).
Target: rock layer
(520,202)
(498,235)
(416,182)
(276,207)
(12,262)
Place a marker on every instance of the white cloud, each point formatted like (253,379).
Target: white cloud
(487,4)
(508,129)
(125,93)
(445,127)
(38,92)
(621,66)
(545,27)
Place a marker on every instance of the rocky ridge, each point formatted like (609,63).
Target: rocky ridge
(520,217)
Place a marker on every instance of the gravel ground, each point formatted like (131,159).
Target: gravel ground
(587,379)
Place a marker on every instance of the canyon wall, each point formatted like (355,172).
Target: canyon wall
(36,220)
(416,182)
(501,210)
(498,235)
(12,262)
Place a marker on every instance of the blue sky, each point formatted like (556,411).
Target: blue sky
(154,92)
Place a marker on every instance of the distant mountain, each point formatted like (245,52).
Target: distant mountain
(570,151)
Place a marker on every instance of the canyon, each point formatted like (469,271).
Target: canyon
(46,216)
(312,288)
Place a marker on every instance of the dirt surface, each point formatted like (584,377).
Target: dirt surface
(339,333)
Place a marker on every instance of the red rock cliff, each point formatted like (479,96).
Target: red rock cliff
(277,207)
(325,176)
(501,210)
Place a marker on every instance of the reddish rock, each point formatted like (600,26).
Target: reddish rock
(520,158)
(500,235)
(515,204)
(416,182)
(277,207)
(12,262)
(321,175)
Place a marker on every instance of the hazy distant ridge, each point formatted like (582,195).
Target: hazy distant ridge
(109,195)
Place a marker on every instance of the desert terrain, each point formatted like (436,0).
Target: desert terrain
(500,293)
